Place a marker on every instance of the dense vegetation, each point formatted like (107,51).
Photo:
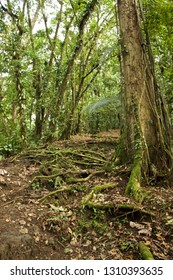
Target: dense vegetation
(56,58)
(86,98)
(60,66)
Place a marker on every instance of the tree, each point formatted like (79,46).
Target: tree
(146,133)
(16,56)
(54,60)
(159,23)
(86,77)
(62,85)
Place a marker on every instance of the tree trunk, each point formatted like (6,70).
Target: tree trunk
(146,129)
(18,28)
(61,87)
(37,82)
(20,95)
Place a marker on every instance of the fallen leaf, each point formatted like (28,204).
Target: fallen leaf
(136,225)
(37,238)
(68,250)
(23,230)
(22,222)
(145,231)
(169,222)
(69,213)
(69,230)
(74,242)
(87,243)
(54,207)
(61,209)
(3,172)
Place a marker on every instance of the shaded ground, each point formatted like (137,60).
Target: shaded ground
(42,215)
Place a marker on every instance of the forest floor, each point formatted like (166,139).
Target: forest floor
(60,202)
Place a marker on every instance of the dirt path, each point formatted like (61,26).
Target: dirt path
(58,227)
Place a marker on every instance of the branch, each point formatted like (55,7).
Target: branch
(33,21)
(53,45)
(17,19)
(8,10)
(77,49)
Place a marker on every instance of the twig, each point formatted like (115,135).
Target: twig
(53,193)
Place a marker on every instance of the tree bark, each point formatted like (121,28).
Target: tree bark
(146,129)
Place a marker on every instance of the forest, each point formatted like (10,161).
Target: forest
(86,126)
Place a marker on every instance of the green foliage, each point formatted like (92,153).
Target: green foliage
(51,67)
(127,245)
(96,222)
(56,79)
(101,115)
(36,185)
(9,146)
(159,22)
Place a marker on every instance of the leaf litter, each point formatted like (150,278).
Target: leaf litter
(60,227)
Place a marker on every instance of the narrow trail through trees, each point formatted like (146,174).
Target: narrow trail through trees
(59,202)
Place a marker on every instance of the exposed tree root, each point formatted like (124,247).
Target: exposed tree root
(62,189)
(57,177)
(65,164)
(145,252)
(133,187)
(129,207)
(86,199)
(56,154)
(59,165)
(79,180)
(87,156)
(126,208)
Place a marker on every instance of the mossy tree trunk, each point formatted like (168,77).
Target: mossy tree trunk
(146,130)
(16,59)
(61,87)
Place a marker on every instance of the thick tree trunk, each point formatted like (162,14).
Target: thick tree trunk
(147,145)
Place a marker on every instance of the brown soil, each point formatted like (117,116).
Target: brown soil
(36,223)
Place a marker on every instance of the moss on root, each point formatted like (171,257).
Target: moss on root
(145,252)
(96,189)
(133,187)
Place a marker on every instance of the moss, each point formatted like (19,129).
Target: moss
(101,188)
(72,180)
(97,221)
(125,207)
(97,205)
(145,252)
(86,225)
(87,198)
(133,187)
(119,156)
(96,189)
